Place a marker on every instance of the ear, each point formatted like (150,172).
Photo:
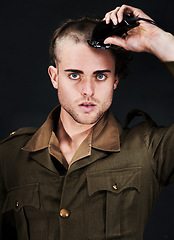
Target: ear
(116,81)
(52,71)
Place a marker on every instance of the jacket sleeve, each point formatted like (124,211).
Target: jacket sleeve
(160,143)
(170,67)
(2,198)
(12,142)
(161,146)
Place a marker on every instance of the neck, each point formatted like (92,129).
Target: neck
(70,132)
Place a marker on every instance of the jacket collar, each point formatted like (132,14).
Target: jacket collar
(105,134)
(41,138)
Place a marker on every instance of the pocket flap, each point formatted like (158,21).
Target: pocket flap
(114,180)
(18,197)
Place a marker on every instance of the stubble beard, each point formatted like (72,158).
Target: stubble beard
(86,119)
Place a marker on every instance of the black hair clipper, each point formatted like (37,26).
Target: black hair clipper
(103,30)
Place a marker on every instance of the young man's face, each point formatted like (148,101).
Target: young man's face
(85,79)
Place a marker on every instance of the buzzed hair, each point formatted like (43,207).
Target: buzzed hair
(80,30)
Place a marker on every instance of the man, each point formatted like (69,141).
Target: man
(81,175)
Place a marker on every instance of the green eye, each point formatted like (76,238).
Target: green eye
(74,76)
(101,77)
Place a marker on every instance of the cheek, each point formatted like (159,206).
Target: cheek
(106,90)
(66,93)
(63,86)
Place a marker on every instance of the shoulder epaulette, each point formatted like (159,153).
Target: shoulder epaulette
(136,113)
(19,132)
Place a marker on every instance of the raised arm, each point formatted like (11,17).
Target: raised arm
(146,37)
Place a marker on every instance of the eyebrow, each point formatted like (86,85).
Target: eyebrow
(102,71)
(74,70)
(81,72)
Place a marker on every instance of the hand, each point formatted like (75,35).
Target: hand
(145,37)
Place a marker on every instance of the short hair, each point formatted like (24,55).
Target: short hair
(80,30)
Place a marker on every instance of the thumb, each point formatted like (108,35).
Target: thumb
(115,40)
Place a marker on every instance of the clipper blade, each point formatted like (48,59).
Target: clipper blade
(100,45)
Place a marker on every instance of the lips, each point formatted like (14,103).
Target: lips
(87,106)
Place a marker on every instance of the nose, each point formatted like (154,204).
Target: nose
(87,88)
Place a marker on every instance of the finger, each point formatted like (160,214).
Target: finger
(124,9)
(112,15)
(107,17)
(136,12)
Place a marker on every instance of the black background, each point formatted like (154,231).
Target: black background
(26,93)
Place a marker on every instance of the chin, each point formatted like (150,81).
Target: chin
(87,120)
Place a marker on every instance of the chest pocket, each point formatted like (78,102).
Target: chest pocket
(21,196)
(21,210)
(112,206)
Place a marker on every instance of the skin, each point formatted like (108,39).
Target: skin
(85,80)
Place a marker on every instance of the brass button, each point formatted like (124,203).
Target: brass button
(115,187)
(12,133)
(64,213)
(17,204)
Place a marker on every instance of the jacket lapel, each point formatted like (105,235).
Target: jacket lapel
(95,155)
(43,158)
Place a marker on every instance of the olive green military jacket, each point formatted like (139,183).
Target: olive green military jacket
(108,194)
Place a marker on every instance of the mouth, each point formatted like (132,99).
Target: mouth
(87,106)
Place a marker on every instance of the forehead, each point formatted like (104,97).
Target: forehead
(70,53)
